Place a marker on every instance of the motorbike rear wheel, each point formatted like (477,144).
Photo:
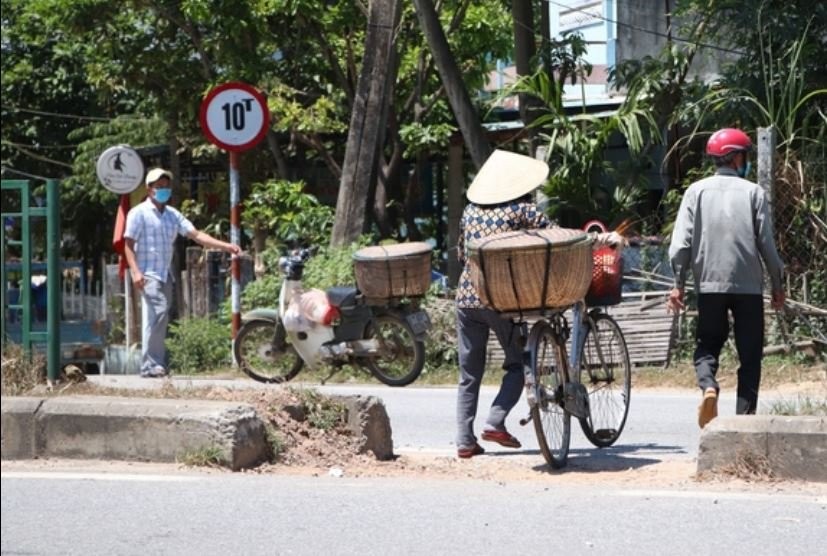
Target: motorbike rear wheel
(401,356)
(262,350)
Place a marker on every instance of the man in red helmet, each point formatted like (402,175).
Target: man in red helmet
(723,232)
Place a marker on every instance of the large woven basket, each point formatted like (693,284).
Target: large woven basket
(398,270)
(531,270)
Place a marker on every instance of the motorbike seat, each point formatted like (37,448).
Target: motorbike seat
(342,296)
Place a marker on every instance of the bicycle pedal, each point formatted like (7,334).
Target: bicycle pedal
(576,399)
(525,420)
(605,434)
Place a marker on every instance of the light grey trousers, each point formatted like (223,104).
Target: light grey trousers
(154,319)
(473,328)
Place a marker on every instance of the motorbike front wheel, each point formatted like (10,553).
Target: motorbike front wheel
(401,356)
(262,350)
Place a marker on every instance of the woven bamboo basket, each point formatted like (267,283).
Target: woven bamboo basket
(388,271)
(531,270)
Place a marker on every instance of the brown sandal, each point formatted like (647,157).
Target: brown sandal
(503,438)
(470,451)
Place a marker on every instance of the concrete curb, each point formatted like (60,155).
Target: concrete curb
(162,430)
(368,421)
(114,428)
(788,447)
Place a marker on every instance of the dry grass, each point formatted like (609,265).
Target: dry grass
(19,373)
(776,371)
(748,466)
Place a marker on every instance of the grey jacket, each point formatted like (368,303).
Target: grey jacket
(724,229)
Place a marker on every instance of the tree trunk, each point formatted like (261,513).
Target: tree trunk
(364,135)
(524,51)
(281,164)
(467,118)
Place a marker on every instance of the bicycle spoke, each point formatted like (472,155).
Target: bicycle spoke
(606,372)
(551,422)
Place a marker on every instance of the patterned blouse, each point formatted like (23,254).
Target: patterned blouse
(479,221)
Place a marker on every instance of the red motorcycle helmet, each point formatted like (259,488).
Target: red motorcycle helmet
(726,141)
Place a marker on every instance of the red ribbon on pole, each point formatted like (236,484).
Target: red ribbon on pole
(118,235)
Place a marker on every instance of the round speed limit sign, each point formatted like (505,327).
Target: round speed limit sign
(234,116)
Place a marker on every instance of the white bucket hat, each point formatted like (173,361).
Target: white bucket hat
(506,176)
(157,173)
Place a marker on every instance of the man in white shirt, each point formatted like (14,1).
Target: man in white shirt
(151,229)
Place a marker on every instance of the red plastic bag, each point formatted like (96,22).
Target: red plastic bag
(607,272)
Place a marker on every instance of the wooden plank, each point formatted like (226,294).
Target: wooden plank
(648,333)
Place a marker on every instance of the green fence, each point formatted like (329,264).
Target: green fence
(18,207)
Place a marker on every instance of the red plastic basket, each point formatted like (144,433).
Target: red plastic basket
(607,273)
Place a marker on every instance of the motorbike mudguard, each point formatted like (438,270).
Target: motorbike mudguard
(261,314)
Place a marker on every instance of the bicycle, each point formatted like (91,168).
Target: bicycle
(597,394)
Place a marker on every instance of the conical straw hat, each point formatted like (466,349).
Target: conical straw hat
(506,176)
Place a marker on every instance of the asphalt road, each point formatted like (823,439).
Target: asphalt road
(199,514)
(49,508)
(423,419)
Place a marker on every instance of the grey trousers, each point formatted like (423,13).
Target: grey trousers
(473,327)
(154,319)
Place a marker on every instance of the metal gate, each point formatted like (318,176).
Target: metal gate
(18,206)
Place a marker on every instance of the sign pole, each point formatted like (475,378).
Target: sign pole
(235,239)
(235,117)
(121,170)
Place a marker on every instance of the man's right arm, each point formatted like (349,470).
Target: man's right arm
(680,251)
(132,261)
(131,233)
(680,248)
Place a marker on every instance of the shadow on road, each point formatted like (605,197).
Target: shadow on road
(615,458)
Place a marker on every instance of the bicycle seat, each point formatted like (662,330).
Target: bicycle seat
(342,296)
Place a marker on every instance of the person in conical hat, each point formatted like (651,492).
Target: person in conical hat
(500,200)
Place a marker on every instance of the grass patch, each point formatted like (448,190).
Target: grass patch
(800,406)
(320,411)
(206,456)
(776,371)
(275,440)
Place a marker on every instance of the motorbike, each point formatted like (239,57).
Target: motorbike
(335,327)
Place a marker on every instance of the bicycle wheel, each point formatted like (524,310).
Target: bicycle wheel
(401,356)
(606,373)
(552,423)
(262,351)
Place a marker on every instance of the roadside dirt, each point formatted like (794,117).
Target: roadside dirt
(308,450)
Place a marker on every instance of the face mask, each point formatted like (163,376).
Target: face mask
(744,170)
(162,195)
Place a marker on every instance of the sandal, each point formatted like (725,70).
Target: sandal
(470,451)
(503,438)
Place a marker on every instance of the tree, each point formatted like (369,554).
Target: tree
(150,63)
(366,124)
(467,117)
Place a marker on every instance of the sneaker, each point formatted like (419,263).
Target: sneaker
(708,409)
(502,438)
(466,452)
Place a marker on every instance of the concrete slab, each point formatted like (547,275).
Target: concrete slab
(797,447)
(19,427)
(162,430)
(112,428)
(789,447)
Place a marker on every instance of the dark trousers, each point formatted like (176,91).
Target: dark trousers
(473,328)
(713,330)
